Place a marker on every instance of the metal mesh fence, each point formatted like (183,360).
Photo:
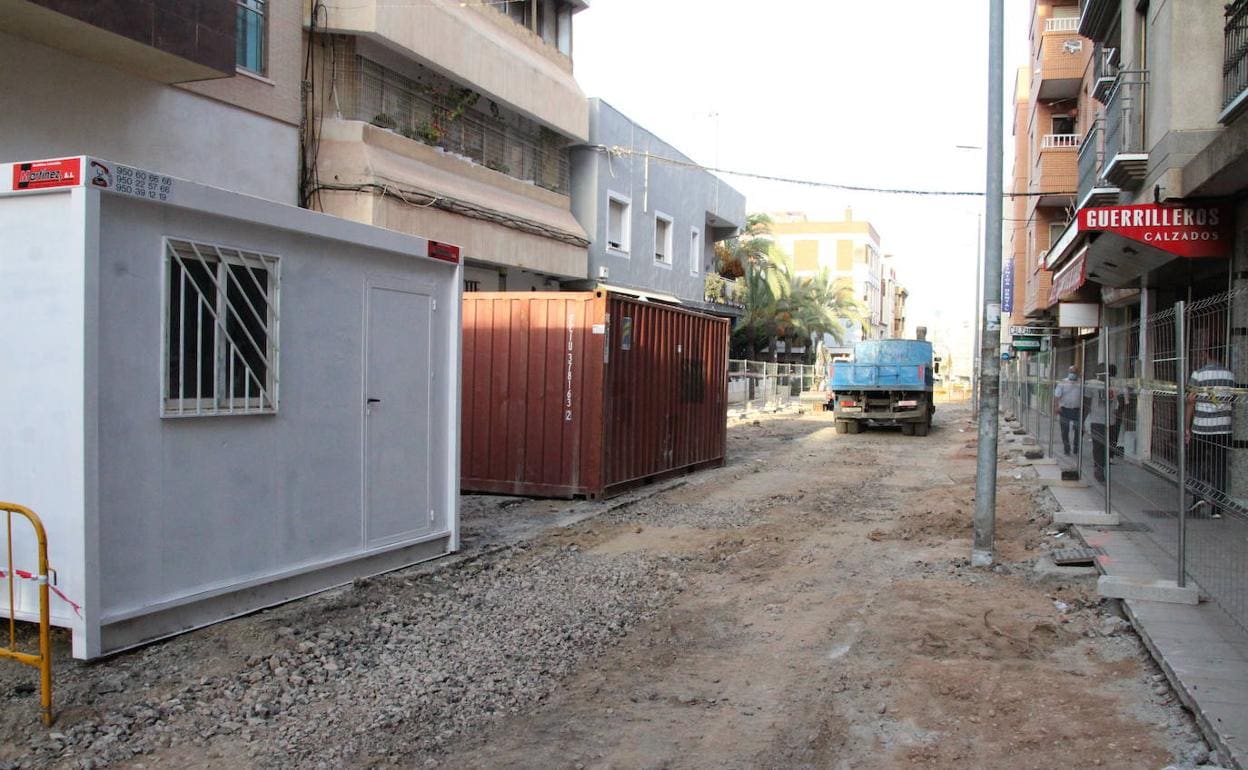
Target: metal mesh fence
(765,386)
(1149,411)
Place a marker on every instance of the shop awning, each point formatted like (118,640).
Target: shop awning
(1070,277)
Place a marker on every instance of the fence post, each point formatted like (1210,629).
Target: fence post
(1109,450)
(1180,363)
(1052,385)
(1083,391)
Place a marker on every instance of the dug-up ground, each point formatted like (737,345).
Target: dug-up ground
(810,605)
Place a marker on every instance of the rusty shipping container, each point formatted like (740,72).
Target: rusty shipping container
(570,394)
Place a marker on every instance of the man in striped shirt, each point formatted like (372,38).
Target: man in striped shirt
(1208,435)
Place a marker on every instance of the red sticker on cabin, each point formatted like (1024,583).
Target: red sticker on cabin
(444,251)
(40,174)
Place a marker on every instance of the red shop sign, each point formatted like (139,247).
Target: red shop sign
(1185,231)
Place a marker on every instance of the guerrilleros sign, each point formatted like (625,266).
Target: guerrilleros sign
(1185,231)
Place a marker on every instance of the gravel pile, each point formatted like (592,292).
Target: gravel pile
(389,668)
(720,514)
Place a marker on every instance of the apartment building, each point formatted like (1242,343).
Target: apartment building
(894,301)
(849,249)
(206,91)
(1047,111)
(1165,135)
(453,121)
(1161,214)
(652,216)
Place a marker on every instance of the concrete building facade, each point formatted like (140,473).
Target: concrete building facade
(454,121)
(652,224)
(206,91)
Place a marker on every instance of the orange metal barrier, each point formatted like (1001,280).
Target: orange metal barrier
(42,661)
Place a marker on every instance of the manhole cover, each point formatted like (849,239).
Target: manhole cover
(1080,555)
(1160,514)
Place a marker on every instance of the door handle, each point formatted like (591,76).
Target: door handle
(374,401)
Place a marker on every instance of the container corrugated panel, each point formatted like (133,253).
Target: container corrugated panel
(584,394)
(667,387)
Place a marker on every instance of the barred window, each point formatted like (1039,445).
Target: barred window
(221,326)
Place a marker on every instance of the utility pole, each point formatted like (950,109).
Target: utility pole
(982,552)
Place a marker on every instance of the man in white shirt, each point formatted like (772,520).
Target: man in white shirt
(1208,433)
(1102,430)
(1068,397)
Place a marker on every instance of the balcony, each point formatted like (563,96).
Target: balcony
(478,48)
(1055,174)
(1105,71)
(1038,282)
(1235,60)
(434,111)
(1093,191)
(165,42)
(1061,58)
(1097,18)
(1126,158)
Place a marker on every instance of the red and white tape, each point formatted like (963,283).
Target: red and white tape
(42,579)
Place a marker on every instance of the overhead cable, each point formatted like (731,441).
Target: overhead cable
(619,152)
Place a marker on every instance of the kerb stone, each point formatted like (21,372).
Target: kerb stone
(1118,587)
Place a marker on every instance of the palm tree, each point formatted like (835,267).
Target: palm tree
(810,306)
(736,255)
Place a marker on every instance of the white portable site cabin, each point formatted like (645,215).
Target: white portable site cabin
(215,402)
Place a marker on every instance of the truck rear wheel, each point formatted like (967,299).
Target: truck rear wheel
(920,428)
(854,426)
(842,426)
(907,429)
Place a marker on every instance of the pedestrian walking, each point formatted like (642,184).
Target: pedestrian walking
(1068,396)
(1207,433)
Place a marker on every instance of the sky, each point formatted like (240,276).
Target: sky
(855,92)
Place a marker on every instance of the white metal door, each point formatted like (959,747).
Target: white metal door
(398,368)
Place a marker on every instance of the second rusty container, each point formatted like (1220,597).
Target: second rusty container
(584,394)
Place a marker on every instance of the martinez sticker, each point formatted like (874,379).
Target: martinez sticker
(41,174)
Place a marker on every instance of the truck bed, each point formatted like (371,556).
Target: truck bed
(852,376)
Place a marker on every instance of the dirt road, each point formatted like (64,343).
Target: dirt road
(809,605)
(844,628)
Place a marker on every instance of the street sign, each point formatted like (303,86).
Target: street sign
(1032,331)
(1026,343)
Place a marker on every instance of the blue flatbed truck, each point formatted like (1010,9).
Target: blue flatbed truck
(889,382)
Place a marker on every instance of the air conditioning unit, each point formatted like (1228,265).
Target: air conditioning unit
(603,272)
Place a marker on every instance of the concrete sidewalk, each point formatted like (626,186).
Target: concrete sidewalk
(1202,650)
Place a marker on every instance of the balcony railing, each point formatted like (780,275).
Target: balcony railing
(1068,24)
(1059,141)
(1124,116)
(1104,72)
(1235,60)
(443,115)
(1090,158)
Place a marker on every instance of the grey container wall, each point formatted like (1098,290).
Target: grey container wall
(692,198)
